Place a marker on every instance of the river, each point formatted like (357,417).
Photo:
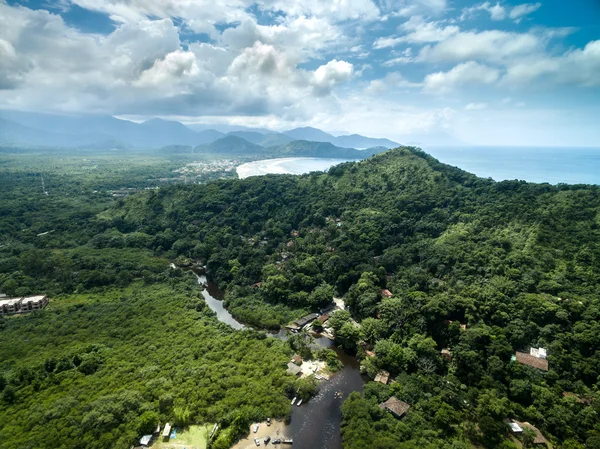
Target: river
(316,424)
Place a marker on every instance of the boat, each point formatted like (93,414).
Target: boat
(299,403)
(294,400)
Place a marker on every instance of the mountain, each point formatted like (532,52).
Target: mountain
(225,129)
(231,145)
(37,129)
(310,134)
(265,140)
(16,134)
(165,132)
(351,141)
(358,141)
(208,136)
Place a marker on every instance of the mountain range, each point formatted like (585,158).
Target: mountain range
(233,145)
(23,129)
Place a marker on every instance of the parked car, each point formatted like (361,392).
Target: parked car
(255,428)
(268,421)
(257,441)
(267,440)
(276,441)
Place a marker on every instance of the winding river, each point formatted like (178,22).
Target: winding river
(316,424)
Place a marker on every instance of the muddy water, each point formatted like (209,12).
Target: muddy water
(316,424)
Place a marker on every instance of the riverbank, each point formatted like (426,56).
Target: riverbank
(277,429)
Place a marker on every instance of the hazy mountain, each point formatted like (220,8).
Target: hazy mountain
(208,136)
(358,141)
(105,132)
(225,129)
(351,141)
(265,140)
(231,145)
(16,134)
(310,134)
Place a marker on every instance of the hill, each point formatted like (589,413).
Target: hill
(517,263)
(231,145)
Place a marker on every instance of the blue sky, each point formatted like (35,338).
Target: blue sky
(486,73)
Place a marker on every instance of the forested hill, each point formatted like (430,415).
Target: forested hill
(517,263)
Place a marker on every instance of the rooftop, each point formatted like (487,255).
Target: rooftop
(382,376)
(10,301)
(529,360)
(395,405)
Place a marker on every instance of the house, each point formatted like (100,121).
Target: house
(323,318)
(294,233)
(293,369)
(385,293)
(301,322)
(535,362)
(256,285)
(539,438)
(296,359)
(145,440)
(166,432)
(289,244)
(514,427)
(395,406)
(10,305)
(31,303)
(538,352)
(382,377)
(447,354)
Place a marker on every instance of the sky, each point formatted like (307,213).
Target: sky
(483,73)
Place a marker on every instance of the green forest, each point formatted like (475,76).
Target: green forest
(126,341)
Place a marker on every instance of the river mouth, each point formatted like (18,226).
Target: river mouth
(316,424)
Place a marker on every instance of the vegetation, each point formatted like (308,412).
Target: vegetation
(518,264)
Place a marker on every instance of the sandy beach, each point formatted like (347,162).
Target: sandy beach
(277,429)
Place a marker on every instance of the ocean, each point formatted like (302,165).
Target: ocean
(537,164)
(533,164)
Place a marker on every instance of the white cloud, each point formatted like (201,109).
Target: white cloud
(392,80)
(493,45)
(468,73)
(476,106)
(405,58)
(497,11)
(576,67)
(418,31)
(328,76)
(520,11)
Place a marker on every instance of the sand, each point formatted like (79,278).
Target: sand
(277,429)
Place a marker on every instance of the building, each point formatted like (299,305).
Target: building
(385,293)
(447,354)
(166,431)
(395,406)
(538,352)
(301,322)
(25,304)
(382,377)
(535,362)
(10,305)
(31,303)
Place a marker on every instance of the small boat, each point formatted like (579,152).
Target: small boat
(299,403)
(294,400)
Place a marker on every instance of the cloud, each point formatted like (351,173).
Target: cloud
(497,11)
(578,67)
(418,31)
(476,106)
(468,73)
(408,8)
(493,45)
(328,76)
(406,58)
(520,11)
(391,81)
